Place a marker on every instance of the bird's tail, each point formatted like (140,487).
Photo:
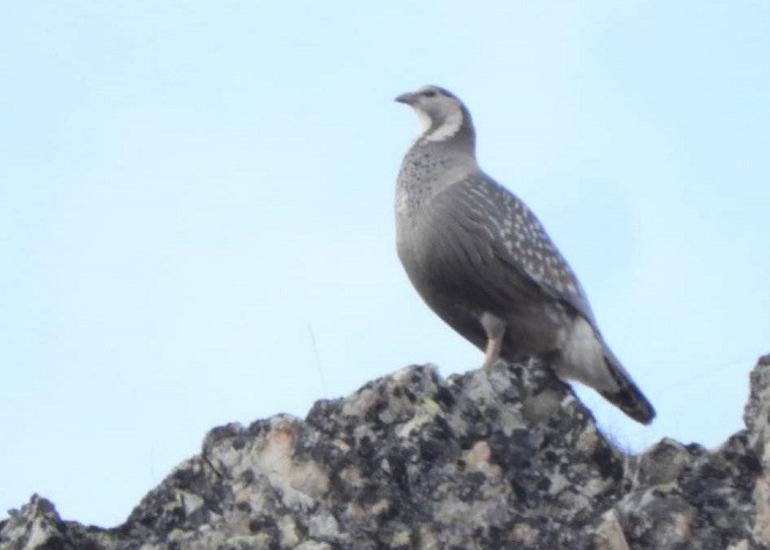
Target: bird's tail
(627,397)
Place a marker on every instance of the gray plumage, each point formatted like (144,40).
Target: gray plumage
(484,263)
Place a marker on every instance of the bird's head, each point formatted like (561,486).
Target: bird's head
(442,114)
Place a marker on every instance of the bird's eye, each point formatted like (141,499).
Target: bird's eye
(429,93)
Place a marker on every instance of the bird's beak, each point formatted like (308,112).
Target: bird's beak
(408,98)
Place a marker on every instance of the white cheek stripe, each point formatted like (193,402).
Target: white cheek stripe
(450,127)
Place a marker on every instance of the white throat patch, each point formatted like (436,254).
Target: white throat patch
(424,120)
(450,127)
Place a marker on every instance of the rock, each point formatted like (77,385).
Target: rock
(501,458)
(756,416)
(37,525)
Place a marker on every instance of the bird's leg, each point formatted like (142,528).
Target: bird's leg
(492,352)
(494,327)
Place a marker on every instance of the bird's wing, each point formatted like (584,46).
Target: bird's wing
(504,246)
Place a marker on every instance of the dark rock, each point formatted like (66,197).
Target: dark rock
(501,458)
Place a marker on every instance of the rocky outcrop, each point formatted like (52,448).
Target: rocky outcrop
(500,458)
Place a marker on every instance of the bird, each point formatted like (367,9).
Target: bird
(483,262)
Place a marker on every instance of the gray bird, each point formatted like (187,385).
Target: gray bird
(484,263)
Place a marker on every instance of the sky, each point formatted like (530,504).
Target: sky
(196,212)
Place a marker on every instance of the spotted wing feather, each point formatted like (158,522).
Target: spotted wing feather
(505,244)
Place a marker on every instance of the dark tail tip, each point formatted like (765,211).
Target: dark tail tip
(632,402)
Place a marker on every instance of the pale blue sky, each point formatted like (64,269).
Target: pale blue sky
(196,211)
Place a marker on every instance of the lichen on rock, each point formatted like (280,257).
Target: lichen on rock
(504,457)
